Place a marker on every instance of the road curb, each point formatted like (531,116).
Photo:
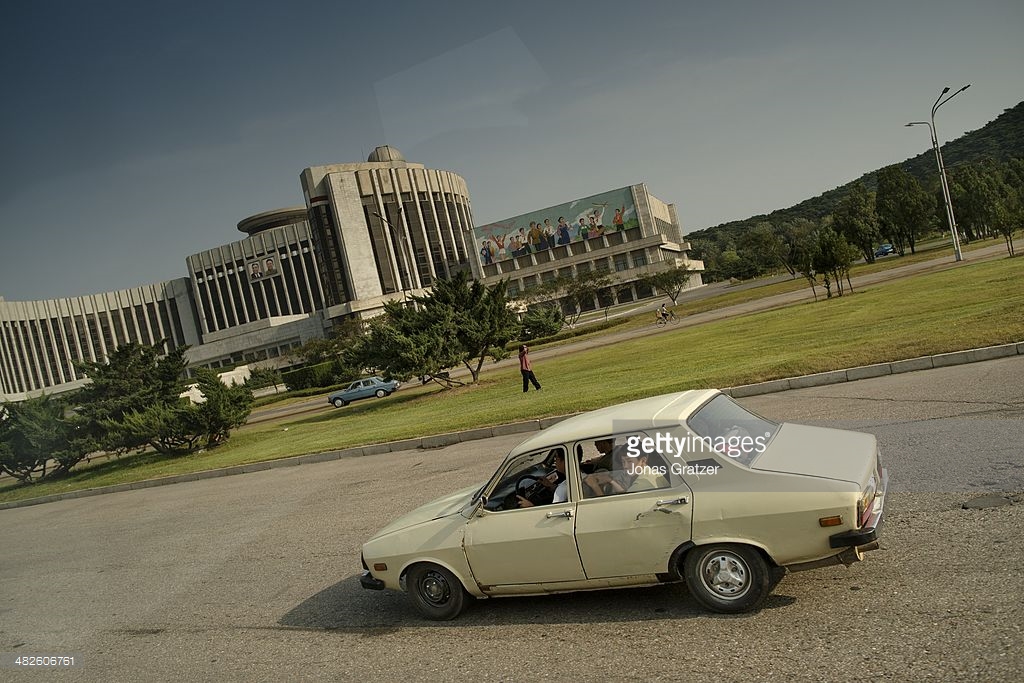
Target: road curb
(878,370)
(447,439)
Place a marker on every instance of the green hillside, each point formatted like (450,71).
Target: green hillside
(998,141)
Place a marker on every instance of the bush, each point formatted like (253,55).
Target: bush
(542,321)
(319,375)
(263,377)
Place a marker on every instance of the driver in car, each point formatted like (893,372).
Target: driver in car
(551,481)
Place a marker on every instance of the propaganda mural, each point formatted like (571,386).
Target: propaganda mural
(578,220)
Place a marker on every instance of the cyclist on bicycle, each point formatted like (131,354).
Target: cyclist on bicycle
(663,312)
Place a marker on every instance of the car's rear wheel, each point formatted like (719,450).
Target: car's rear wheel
(339,403)
(435,592)
(381,393)
(727,578)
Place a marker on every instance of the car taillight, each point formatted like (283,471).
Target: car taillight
(866,502)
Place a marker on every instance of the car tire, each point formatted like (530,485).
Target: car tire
(435,592)
(381,393)
(339,403)
(728,578)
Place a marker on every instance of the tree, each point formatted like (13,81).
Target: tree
(542,320)
(581,291)
(333,346)
(672,281)
(903,207)
(134,399)
(35,431)
(856,221)
(975,194)
(760,247)
(460,322)
(804,257)
(224,408)
(832,259)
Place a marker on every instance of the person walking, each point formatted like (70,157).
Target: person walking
(527,369)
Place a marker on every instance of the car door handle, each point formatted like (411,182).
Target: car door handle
(563,513)
(673,501)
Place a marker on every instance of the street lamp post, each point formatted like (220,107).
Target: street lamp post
(947,198)
(401,251)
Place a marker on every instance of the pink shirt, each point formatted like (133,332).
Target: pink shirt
(524,361)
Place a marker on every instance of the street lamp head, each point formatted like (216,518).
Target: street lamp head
(945,90)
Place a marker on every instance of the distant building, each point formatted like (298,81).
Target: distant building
(41,340)
(384,227)
(627,233)
(368,233)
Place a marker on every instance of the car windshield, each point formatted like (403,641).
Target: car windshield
(731,429)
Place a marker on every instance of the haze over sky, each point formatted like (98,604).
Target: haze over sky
(137,133)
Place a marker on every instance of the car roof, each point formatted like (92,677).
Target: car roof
(645,413)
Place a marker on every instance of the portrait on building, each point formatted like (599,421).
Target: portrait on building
(262,268)
(575,221)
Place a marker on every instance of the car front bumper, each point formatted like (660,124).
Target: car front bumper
(367,581)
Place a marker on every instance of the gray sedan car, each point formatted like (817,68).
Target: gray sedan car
(367,387)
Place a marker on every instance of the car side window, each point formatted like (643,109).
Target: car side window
(533,476)
(620,467)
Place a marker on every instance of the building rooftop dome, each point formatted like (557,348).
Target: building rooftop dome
(272,219)
(385,153)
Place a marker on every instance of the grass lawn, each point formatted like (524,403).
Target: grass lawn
(975,305)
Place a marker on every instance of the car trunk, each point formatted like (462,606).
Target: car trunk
(820,452)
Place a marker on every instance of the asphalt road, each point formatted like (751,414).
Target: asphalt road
(254,577)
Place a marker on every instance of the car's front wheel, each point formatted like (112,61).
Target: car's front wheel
(727,578)
(339,403)
(435,592)
(381,393)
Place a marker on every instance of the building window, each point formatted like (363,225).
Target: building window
(639,258)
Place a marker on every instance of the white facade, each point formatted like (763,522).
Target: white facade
(40,341)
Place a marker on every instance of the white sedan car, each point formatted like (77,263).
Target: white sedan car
(683,487)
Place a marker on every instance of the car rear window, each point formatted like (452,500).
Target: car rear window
(732,430)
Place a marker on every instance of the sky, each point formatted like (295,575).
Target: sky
(133,134)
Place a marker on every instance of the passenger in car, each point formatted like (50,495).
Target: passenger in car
(641,473)
(602,462)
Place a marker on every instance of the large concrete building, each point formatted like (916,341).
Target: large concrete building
(385,227)
(368,233)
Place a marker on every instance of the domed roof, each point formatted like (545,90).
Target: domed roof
(385,153)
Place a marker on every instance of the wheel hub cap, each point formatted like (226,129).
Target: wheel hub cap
(725,575)
(435,588)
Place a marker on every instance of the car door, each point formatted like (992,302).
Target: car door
(523,546)
(633,533)
(365,389)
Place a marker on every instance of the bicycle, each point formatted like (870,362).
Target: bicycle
(669,318)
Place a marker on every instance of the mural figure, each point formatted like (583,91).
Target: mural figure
(618,220)
(563,231)
(548,236)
